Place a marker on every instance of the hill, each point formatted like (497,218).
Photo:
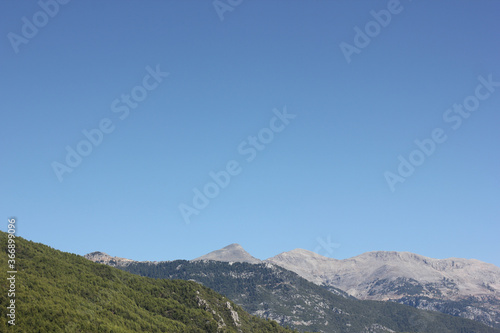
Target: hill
(63,292)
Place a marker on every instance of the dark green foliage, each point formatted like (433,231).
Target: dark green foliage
(63,292)
(276,293)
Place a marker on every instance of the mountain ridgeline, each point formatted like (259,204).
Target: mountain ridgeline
(272,292)
(63,292)
(461,287)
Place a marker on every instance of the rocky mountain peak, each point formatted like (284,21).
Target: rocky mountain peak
(231,253)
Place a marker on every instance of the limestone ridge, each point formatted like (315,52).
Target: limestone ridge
(453,277)
(465,287)
(230,253)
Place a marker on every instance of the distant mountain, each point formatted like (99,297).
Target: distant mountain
(63,292)
(230,253)
(104,258)
(273,292)
(463,287)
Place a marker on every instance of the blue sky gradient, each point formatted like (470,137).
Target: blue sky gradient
(321,178)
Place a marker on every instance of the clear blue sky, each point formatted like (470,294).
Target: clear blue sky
(320,179)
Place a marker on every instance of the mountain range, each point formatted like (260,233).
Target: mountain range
(458,287)
(464,287)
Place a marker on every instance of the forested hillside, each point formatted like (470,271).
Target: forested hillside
(63,292)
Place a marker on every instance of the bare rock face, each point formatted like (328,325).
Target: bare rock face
(366,275)
(471,287)
(104,258)
(230,253)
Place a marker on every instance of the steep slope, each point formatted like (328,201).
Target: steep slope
(63,292)
(464,287)
(230,253)
(272,292)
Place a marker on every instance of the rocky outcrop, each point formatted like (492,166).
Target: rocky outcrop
(104,258)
